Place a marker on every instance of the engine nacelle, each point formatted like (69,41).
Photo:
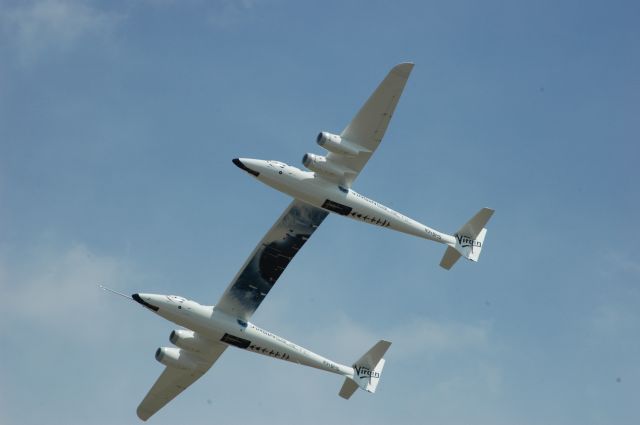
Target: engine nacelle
(320,165)
(189,340)
(334,143)
(176,357)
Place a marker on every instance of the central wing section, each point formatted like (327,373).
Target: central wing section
(269,259)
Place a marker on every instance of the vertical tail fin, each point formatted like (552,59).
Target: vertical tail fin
(469,239)
(366,371)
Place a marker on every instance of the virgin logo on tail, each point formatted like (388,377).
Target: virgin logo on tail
(363,372)
(466,241)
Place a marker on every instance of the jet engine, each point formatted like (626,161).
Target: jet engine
(176,357)
(336,144)
(189,340)
(320,165)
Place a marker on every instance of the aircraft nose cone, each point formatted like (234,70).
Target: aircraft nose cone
(137,298)
(238,163)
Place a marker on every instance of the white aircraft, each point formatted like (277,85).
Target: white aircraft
(211,329)
(328,184)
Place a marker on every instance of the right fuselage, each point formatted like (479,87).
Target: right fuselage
(322,193)
(215,325)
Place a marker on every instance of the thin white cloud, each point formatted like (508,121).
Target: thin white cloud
(55,288)
(623,262)
(35,26)
(457,359)
(4,418)
(418,337)
(484,377)
(225,14)
(220,14)
(616,316)
(425,335)
(616,264)
(611,321)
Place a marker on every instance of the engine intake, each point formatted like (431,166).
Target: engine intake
(176,357)
(319,164)
(189,340)
(336,144)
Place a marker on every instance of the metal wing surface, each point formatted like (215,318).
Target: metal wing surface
(269,259)
(368,127)
(173,381)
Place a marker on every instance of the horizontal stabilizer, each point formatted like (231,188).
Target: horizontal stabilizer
(348,388)
(450,257)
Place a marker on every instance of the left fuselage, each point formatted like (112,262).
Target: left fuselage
(215,325)
(323,193)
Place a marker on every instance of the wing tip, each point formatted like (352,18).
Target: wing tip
(143,413)
(403,69)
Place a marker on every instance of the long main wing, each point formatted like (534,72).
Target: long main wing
(269,259)
(173,381)
(368,127)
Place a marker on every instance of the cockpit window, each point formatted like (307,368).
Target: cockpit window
(176,299)
(276,164)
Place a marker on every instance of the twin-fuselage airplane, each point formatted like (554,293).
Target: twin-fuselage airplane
(326,188)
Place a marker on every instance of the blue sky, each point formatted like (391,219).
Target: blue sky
(118,123)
